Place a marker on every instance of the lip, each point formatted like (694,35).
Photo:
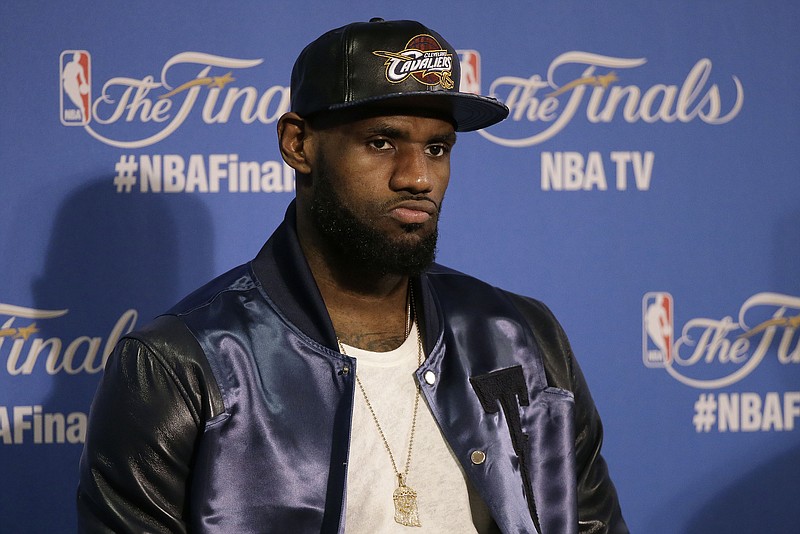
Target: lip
(413,211)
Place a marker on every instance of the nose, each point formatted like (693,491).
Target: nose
(413,171)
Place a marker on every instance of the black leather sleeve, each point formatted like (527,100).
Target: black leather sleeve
(150,408)
(598,504)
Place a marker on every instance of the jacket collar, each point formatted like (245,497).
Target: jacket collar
(282,270)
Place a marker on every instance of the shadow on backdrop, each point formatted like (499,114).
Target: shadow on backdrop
(108,253)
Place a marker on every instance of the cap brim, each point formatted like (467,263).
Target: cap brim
(469,112)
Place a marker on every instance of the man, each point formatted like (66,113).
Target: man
(341,380)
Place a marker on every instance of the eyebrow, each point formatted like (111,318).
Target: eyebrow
(396,133)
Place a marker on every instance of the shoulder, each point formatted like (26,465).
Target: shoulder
(240,278)
(452,285)
(551,338)
(168,348)
(457,286)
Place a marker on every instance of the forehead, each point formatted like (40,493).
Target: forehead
(358,114)
(388,122)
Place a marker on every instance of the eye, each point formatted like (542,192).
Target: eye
(437,151)
(380,144)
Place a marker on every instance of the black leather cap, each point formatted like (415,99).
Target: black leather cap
(387,64)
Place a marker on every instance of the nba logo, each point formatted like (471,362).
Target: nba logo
(657,329)
(470,71)
(76,87)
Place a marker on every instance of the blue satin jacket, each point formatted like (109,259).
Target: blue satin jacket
(232,412)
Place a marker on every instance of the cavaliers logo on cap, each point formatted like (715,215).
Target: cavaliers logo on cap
(424,59)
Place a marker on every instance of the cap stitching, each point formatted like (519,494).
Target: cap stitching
(346,50)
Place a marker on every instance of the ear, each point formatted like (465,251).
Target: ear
(293,134)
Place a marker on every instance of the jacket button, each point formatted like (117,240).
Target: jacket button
(430,377)
(477,457)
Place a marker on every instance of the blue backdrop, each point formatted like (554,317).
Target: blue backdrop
(645,186)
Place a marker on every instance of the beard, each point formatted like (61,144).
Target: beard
(365,248)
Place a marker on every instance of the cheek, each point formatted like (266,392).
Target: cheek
(366,178)
(441,172)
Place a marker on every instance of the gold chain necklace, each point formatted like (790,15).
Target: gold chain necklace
(406,511)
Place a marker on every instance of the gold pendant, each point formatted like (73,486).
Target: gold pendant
(405,506)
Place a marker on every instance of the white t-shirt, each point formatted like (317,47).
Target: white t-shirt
(434,473)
